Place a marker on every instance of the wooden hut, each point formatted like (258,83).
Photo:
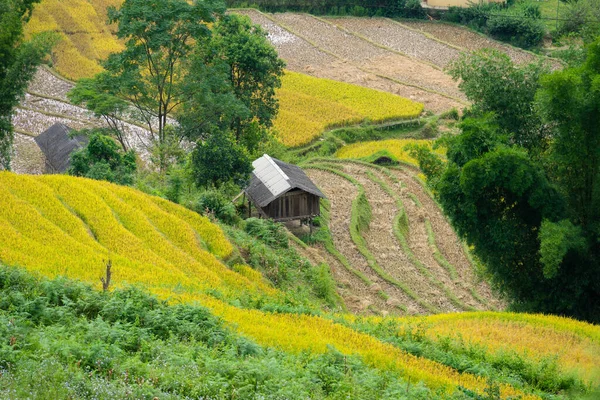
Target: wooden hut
(282,191)
(57,146)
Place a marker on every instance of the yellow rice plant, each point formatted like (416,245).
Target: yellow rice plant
(297,333)
(376,105)
(394,146)
(86,39)
(294,130)
(60,225)
(309,105)
(69,62)
(210,233)
(574,344)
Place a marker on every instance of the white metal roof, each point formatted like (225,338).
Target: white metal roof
(271,175)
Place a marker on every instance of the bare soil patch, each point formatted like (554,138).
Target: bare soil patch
(465,38)
(386,248)
(369,56)
(340,192)
(447,242)
(27,158)
(398,37)
(47,84)
(302,56)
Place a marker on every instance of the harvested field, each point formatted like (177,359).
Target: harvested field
(47,84)
(341,193)
(398,37)
(27,158)
(36,121)
(368,56)
(385,247)
(419,270)
(464,38)
(45,104)
(446,239)
(303,56)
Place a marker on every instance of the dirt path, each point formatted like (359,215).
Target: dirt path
(385,247)
(446,240)
(340,193)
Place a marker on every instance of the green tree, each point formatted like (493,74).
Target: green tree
(219,159)
(254,72)
(493,83)
(18,62)
(570,102)
(533,217)
(101,159)
(110,108)
(159,38)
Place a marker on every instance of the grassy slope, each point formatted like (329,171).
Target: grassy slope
(65,226)
(308,105)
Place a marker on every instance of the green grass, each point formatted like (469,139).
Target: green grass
(60,339)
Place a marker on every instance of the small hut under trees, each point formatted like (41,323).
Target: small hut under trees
(282,191)
(57,146)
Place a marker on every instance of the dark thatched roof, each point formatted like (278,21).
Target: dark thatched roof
(57,147)
(273,178)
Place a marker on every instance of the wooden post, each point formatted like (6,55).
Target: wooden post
(249,208)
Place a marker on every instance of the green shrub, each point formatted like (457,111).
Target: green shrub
(267,231)
(451,114)
(430,130)
(324,284)
(518,25)
(215,203)
(516,28)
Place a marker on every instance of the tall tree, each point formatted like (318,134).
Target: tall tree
(255,70)
(159,37)
(493,83)
(533,217)
(18,62)
(570,102)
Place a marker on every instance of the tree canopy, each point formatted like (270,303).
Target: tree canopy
(18,61)
(102,159)
(529,207)
(149,73)
(190,73)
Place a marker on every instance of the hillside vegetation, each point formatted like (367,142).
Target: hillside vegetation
(58,225)
(308,106)
(64,226)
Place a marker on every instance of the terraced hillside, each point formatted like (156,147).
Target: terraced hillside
(59,225)
(391,249)
(308,106)
(406,58)
(69,226)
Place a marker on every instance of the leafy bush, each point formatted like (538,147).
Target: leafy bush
(218,160)
(102,159)
(267,231)
(451,114)
(582,18)
(518,28)
(214,202)
(62,340)
(430,130)
(518,25)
